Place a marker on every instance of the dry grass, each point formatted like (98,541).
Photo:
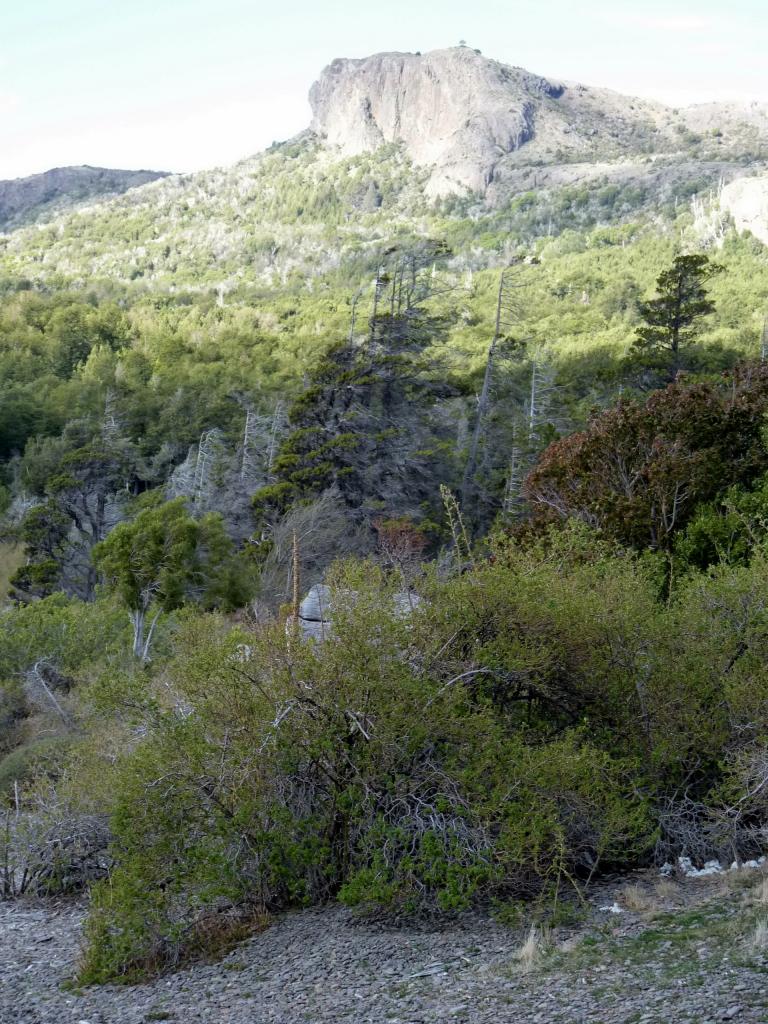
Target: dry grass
(667,890)
(753,885)
(638,899)
(740,881)
(531,952)
(761,891)
(751,882)
(571,944)
(11,558)
(759,941)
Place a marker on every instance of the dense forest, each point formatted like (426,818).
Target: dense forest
(518,454)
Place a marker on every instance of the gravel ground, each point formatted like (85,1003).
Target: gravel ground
(688,960)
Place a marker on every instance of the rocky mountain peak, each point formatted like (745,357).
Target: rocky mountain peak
(478,124)
(452,109)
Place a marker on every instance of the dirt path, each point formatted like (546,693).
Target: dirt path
(684,952)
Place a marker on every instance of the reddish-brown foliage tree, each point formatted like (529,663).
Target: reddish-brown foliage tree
(401,542)
(638,470)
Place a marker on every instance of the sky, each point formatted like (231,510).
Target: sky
(182,85)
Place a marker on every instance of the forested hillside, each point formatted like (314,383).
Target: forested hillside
(511,446)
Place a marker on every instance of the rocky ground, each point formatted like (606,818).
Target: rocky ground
(682,950)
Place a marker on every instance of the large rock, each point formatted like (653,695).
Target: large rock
(746,199)
(477,123)
(316,606)
(316,610)
(315,613)
(453,110)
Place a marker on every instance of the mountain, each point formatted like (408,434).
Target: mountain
(384,342)
(26,200)
(475,121)
(450,143)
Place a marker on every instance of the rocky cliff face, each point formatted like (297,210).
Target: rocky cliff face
(453,110)
(25,200)
(746,199)
(476,121)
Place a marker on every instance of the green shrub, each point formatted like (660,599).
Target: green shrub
(371,767)
(537,719)
(69,633)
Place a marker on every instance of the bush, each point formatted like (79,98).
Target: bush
(639,471)
(534,720)
(370,767)
(71,634)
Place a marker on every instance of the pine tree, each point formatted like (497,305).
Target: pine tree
(673,318)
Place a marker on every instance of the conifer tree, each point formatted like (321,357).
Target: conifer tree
(364,424)
(672,319)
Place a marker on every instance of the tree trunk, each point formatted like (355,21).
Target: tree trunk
(150,635)
(137,621)
(482,404)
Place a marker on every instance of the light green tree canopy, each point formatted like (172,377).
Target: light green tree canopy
(163,559)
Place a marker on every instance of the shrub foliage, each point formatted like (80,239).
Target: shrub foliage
(528,724)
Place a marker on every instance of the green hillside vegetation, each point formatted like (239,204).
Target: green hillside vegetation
(62,349)
(547,652)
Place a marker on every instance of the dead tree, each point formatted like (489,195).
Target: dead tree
(509,313)
(542,388)
(514,484)
(206,453)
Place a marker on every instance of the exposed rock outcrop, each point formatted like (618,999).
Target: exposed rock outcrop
(475,121)
(315,613)
(746,199)
(452,109)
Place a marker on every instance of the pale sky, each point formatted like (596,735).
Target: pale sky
(182,85)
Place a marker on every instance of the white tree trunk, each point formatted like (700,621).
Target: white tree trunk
(137,621)
(150,634)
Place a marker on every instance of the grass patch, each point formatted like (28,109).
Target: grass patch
(637,899)
(676,945)
(11,559)
(533,949)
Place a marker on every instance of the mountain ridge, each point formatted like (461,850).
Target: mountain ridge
(366,170)
(31,198)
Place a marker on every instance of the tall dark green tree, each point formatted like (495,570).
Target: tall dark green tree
(82,500)
(368,421)
(673,318)
(44,531)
